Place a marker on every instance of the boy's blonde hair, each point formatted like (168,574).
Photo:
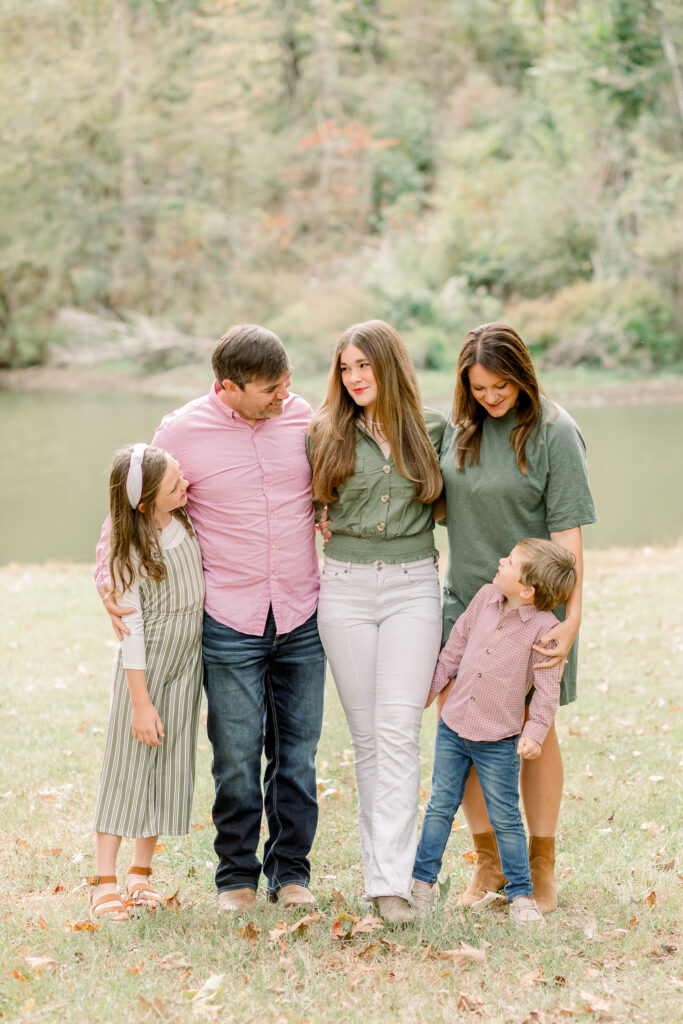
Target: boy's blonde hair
(548,568)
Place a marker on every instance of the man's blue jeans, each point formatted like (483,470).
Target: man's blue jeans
(497,765)
(265,693)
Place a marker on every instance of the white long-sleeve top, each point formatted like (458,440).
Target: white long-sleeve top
(133,644)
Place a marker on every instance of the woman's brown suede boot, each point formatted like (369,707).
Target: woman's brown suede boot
(488,874)
(542,864)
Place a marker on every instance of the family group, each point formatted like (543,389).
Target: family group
(208,568)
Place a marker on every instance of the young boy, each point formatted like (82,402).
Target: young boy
(490,653)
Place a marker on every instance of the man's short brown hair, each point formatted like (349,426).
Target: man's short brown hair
(247,352)
(549,569)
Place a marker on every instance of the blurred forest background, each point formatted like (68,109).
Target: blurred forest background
(170,167)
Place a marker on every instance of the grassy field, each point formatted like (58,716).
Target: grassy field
(611,952)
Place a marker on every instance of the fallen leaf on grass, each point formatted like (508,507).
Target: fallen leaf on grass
(19,976)
(392,947)
(532,978)
(303,923)
(135,968)
(210,989)
(157,1006)
(82,926)
(175,962)
(595,1004)
(459,956)
(367,924)
(371,950)
(250,933)
(59,888)
(276,934)
(42,923)
(649,900)
(161,848)
(342,928)
(468,1002)
(171,902)
(469,855)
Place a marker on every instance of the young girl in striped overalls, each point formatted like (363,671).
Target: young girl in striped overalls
(147,777)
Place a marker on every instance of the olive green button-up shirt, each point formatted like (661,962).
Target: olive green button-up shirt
(377,516)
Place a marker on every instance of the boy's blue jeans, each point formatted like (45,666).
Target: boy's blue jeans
(497,765)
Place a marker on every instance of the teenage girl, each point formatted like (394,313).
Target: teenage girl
(147,778)
(374,453)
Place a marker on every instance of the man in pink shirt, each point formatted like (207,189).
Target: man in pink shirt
(242,450)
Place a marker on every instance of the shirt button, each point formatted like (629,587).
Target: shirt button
(386,469)
(384,497)
(487,651)
(381,527)
(499,627)
(478,675)
(473,698)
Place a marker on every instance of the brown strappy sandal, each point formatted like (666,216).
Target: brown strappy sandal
(109,904)
(142,894)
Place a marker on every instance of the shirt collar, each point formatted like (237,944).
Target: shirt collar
(526,611)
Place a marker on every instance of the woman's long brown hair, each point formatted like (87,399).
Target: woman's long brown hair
(398,408)
(133,531)
(500,350)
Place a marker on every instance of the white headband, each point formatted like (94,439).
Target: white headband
(134,477)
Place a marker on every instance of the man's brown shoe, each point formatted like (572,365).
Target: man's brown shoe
(237,901)
(294,895)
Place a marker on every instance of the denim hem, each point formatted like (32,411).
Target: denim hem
(238,885)
(305,884)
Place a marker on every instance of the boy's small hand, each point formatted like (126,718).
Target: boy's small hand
(528,749)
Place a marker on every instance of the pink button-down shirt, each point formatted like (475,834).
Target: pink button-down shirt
(249,497)
(489,652)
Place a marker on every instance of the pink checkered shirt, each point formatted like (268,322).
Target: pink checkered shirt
(489,651)
(249,497)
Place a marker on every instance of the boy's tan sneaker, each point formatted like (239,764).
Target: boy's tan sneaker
(422,893)
(524,910)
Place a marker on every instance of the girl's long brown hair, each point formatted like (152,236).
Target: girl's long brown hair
(133,531)
(398,409)
(500,350)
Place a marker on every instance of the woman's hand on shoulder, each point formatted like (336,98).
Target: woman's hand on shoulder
(561,637)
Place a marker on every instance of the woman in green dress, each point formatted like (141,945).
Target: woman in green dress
(513,465)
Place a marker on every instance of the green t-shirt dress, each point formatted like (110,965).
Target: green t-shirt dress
(492,505)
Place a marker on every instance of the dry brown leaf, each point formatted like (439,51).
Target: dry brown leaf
(175,962)
(372,950)
(367,924)
(460,956)
(303,923)
(532,978)
(343,926)
(470,856)
(467,1002)
(19,976)
(135,968)
(595,1004)
(650,900)
(171,902)
(277,933)
(42,923)
(59,888)
(82,926)
(161,848)
(40,963)
(157,1006)
(392,947)
(249,932)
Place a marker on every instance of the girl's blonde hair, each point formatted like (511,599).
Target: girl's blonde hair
(133,531)
(500,350)
(398,409)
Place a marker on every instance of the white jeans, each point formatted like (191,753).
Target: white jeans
(381,629)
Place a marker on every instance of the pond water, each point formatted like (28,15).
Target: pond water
(56,448)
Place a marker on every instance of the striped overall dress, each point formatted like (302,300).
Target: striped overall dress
(143,790)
